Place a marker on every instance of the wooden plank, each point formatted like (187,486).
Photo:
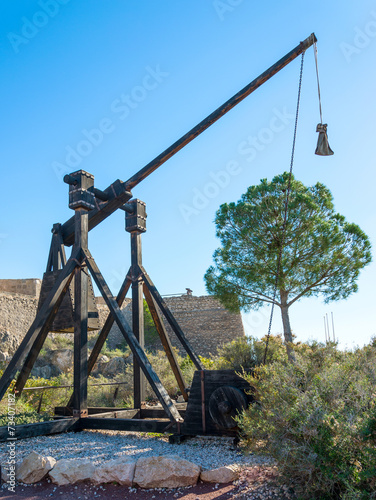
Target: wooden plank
(165,342)
(81,295)
(139,385)
(136,425)
(130,338)
(156,413)
(119,414)
(219,112)
(43,318)
(105,330)
(40,429)
(170,318)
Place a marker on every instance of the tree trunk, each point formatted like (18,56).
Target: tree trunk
(287,327)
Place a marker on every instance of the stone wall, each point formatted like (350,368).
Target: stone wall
(204,321)
(24,287)
(17,312)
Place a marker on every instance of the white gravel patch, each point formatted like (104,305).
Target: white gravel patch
(102,446)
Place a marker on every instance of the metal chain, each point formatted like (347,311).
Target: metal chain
(279,261)
(318,81)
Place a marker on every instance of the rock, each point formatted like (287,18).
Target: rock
(42,372)
(113,367)
(221,475)
(71,471)
(34,468)
(3,356)
(62,359)
(120,470)
(165,472)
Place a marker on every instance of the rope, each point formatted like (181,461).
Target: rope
(279,261)
(318,81)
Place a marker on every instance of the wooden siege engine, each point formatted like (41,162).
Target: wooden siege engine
(67,305)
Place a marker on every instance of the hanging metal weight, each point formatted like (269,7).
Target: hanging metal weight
(63,322)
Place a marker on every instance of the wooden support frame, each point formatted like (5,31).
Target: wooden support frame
(41,323)
(130,338)
(85,198)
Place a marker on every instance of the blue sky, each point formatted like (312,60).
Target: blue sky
(106,86)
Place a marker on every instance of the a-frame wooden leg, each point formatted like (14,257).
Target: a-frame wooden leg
(130,338)
(105,331)
(165,341)
(170,318)
(43,318)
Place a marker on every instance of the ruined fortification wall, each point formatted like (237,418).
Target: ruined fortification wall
(24,287)
(206,324)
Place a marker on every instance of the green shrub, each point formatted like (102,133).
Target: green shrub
(317,418)
(248,352)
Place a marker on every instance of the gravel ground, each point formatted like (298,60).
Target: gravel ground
(101,446)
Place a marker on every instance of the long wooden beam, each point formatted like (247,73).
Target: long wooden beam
(219,112)
(118,193)
(39,429)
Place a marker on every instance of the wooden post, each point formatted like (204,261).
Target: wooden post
(139,386)
(80,372)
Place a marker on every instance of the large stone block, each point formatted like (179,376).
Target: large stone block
(71,471)
(221,475)
(121,470)
(165,472)
(34,468)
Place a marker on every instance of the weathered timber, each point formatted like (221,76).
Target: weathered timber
(170,318)
(40,429)
(156,413)
(130,338)
(135,413)
(105,330)
(117,194)
(165,342)
(136,425)
(42,320)
(194,420)
(81,294)
(94,410)
(139,383)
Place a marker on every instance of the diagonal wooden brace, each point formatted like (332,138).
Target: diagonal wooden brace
(165,341)
(42,322)
(133,343)
(170,318)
